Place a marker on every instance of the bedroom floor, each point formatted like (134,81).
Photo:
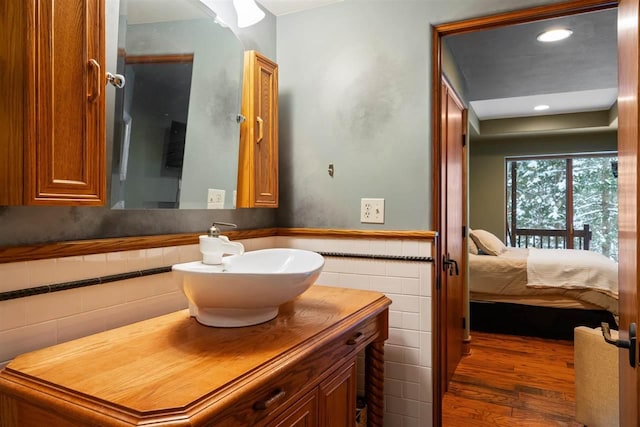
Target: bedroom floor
(512,381)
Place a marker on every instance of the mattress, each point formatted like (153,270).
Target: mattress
(504,278)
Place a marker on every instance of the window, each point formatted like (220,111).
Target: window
(563,202)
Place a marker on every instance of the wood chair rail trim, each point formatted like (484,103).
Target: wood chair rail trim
(117,244)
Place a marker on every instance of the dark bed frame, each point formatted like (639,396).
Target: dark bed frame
(534,321)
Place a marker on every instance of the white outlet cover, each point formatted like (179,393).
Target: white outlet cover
(215,199)
(372,211)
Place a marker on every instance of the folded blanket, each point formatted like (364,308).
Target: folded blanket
(572,269)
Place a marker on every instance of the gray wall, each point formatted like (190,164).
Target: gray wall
(22,225)
(487,199)
(355,92)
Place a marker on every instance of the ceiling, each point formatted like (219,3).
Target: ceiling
(507,71)
(283,7)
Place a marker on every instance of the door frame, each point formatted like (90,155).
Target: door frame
(438,32)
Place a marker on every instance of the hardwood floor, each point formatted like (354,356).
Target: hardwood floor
(512,381)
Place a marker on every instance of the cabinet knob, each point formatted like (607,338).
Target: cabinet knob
(275,397)
(260,129)
(116,80)
(355,339)
(94,66)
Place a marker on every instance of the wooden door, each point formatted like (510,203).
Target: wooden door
(337,403)
(303,413)
(52,147)
(258,166)
(266,148)
(628,177)
(65,142)
(629,171)
(452,283)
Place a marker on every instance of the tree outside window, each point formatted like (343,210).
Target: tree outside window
(560,192)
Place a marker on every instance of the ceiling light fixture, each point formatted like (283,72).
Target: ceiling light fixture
(541,107)
(248,12)
(554,35)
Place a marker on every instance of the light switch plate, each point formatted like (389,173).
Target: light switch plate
(372,211)
(215,199)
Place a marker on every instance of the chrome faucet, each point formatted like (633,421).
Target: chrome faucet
(214,231)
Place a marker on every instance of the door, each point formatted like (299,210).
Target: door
(266,147)
(628,167)
(628,174)
(65,148)
(258,167)
(452,192)
(303,413)
(337,401)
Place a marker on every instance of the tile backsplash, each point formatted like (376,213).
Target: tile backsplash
(39,321)
(408,362)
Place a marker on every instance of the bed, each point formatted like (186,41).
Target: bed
(557,278)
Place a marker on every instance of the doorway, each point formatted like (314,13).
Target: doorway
(628,121)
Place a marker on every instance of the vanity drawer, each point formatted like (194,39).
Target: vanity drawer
(289,383)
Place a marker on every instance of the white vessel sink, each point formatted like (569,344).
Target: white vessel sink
(247,289)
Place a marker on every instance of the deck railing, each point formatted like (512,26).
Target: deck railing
(552,239)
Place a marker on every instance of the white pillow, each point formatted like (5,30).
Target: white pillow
(487,242)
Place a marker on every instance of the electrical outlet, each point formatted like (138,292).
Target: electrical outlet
(372,211)
(215,199)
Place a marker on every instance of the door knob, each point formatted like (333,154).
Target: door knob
(629,344)
(450,264)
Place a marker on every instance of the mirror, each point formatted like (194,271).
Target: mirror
(176,134)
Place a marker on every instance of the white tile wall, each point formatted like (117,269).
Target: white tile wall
(38,321)
(30,323)
(408,374)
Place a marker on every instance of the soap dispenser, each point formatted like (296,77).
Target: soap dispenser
(213,245)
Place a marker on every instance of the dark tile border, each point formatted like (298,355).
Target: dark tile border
(39,290)
(377,257)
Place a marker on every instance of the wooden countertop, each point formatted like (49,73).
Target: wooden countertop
(140,367)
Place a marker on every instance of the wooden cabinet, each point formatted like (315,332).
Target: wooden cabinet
(295,370)
(258,164)
(332,404)
(337,400)
(303,413)
(52,148)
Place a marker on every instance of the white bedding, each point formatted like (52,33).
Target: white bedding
(531,273)
(572,269)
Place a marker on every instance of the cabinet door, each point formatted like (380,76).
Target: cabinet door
(266,148)
(258,168)
(303,413)
(337,404)
(65,138)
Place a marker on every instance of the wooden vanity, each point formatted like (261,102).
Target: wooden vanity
(297,370)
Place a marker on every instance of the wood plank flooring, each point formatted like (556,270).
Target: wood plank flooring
(512,381)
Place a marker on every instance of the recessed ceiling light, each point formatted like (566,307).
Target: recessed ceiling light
(555,35)
(541,107)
